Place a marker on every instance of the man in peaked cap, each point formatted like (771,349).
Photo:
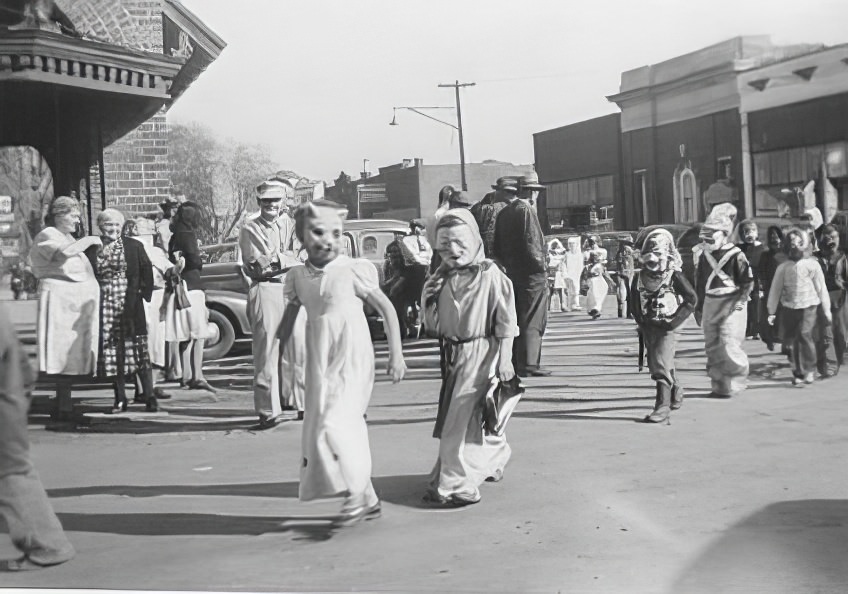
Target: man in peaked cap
(723,282)
(268,249)
(519,247)
(486,211)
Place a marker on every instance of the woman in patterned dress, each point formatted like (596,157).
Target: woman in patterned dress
(126,278)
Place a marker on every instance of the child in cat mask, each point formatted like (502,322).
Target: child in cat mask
(339,361)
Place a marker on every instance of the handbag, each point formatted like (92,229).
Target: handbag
(500,404)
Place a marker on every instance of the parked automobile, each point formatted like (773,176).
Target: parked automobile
(226,286)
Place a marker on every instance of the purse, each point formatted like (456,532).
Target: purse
(500,404)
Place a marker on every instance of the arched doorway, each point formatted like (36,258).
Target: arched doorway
(685,195)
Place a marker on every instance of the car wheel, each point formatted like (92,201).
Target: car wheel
(222,336)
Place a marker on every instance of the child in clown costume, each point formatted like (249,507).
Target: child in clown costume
(661,299)
(724,281)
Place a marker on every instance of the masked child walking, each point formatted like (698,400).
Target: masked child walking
(662,299)
(470,304)
(336,456)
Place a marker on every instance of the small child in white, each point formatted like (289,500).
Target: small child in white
(336,457)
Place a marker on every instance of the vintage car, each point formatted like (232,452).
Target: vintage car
(226,286)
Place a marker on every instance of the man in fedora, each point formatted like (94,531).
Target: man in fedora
(268,250)
(519,247)
(486,211)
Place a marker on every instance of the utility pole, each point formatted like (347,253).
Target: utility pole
(456,86)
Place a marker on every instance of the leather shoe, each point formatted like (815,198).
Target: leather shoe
(538,372)
(269,422)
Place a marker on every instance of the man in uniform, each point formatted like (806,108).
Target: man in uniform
(268,249)
(519,247)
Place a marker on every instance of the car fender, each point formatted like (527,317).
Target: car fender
(235,303)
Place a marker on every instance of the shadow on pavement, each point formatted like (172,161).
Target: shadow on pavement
(282,490)
(185,524)
(790,546)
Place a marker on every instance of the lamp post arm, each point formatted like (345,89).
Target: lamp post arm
(429,116)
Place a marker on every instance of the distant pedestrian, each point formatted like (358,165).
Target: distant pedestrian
(723,282)
(574,272)
(625,269)
(831,339)
(753,248)
(556,275)
(519,247)
(595,270)
(486,211)
(799,287)
(469,304)
(769,261)
(33,526)
(336,458)
(662,299)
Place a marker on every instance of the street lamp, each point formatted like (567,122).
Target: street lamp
(456,85)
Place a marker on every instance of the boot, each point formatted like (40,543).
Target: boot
(662,407)
(676,396)
(150,403)
(620,311)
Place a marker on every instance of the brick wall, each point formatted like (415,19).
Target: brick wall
(137,171)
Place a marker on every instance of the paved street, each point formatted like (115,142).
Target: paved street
(747,495)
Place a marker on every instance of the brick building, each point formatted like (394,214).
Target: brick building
(744,120)
(103,73)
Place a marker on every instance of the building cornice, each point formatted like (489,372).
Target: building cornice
(43,56)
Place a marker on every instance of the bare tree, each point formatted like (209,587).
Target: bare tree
(221,177)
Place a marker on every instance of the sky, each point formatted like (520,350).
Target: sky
(316,80)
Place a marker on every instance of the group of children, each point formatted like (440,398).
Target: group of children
(791,291)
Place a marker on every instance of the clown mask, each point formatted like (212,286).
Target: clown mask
(655,256)
(322,235)
(713,241)
(797,245)
(456,245)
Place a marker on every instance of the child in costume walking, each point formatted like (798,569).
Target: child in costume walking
(662,299)
(723,283)
(336,459)
(470,304)
(799,288)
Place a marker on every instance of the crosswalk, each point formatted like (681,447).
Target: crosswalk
(594,365)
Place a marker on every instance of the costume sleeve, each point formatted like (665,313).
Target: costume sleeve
(365,278)
(700,282)
(776,288)
(684,290)
(16,374)
(821,287)
(290,288)
(635,300)
(743,275)
(502,301)
(841,274)
(146,273)
(47,249)
(535,242)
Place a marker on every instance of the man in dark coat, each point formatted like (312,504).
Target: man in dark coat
(519,247)
(486,211)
